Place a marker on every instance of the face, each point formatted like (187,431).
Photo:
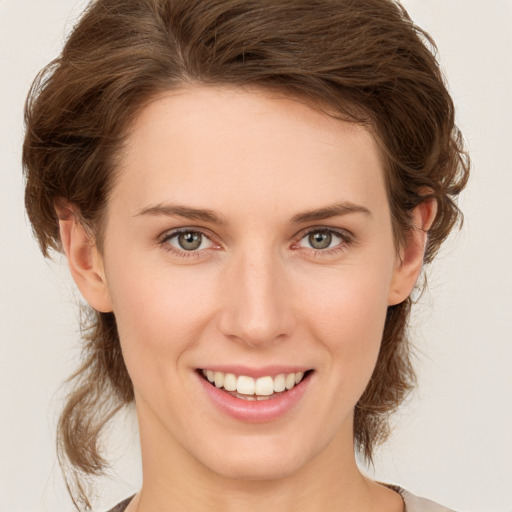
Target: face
(248,246)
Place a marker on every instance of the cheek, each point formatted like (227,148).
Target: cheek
(159,313)
(347,313)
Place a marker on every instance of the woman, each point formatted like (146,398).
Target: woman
(246,193)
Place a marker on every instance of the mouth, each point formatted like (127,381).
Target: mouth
(248,388)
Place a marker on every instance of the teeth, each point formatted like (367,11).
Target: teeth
(290,381)
(230,382)
(219,379)
(262,387)
(279,383)
(245,385)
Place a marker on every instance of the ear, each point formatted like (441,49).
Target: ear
(410,259)
(84,260)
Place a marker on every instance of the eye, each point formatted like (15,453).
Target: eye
(323,239)
(188,241)
(320,239)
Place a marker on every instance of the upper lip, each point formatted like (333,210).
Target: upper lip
(255,372)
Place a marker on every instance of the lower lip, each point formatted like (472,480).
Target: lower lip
(256,411)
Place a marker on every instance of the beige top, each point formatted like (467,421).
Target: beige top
(412,503)
(415,504)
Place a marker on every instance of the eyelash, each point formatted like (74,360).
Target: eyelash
(346,238)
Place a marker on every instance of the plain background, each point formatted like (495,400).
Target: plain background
(452,442)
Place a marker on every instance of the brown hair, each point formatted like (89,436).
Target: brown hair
(363,60)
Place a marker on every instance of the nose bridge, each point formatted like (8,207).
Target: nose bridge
(257,309)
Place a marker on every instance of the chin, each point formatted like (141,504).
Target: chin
(259,462)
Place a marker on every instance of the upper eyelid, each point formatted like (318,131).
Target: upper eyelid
(170,233)
(344,233)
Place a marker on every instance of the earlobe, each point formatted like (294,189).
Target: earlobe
(84,260)
(410,260)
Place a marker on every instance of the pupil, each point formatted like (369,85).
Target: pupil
(320,239)
(189,241)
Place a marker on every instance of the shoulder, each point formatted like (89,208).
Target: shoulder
(416,504)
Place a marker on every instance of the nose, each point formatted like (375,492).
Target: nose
(257,304)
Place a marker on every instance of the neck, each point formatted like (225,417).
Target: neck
(330,481)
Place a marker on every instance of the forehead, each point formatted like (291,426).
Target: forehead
(210,144)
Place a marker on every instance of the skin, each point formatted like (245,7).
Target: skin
(255,293)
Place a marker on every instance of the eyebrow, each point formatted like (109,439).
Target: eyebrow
(175,210)
(335,210)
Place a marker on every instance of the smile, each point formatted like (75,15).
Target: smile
(248,388)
